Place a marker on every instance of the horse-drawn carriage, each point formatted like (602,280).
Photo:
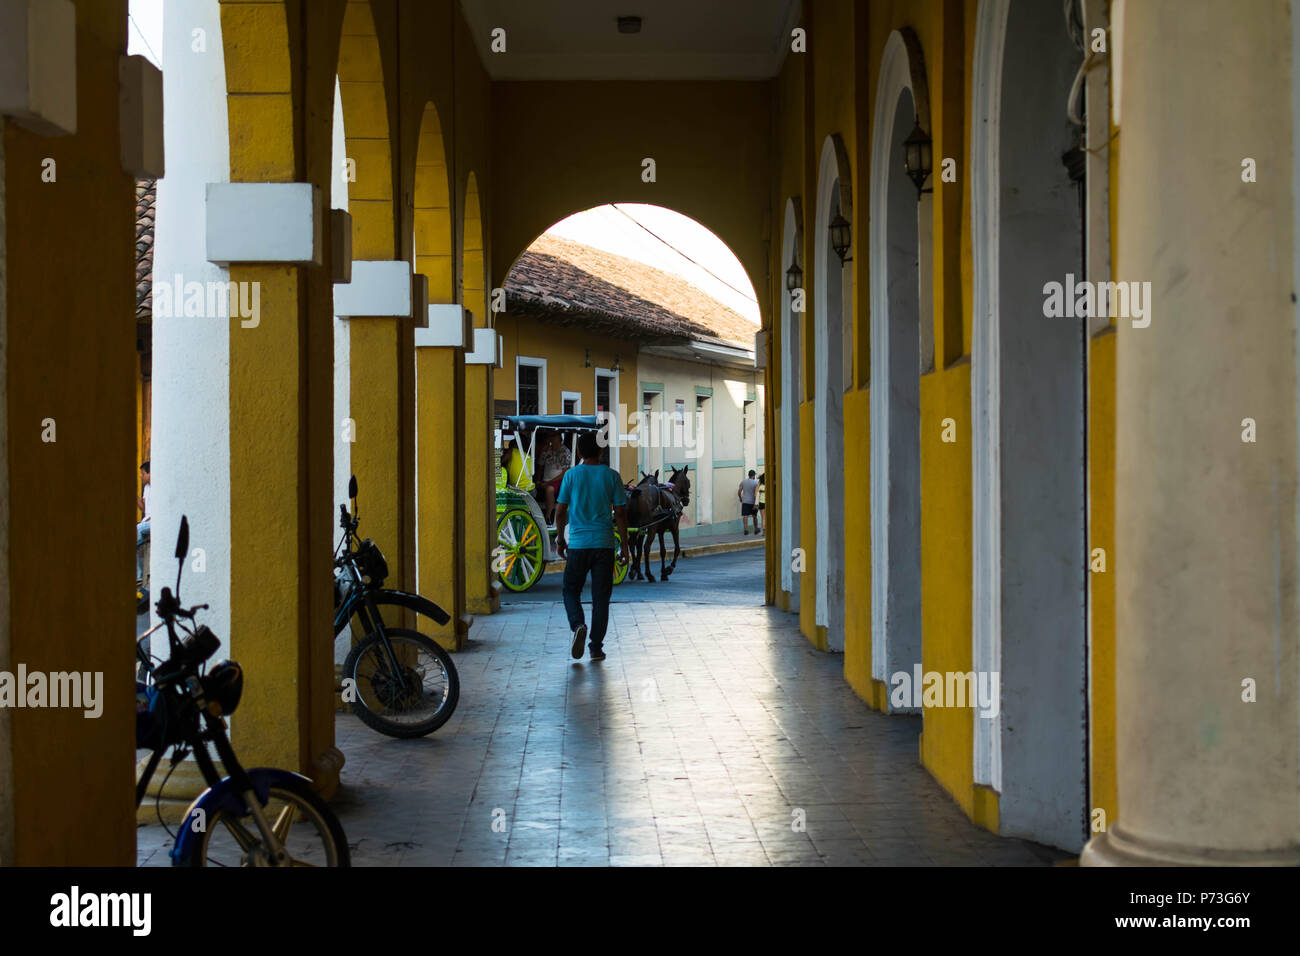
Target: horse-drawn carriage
(525,538)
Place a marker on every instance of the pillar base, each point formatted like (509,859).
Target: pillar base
(1117,848)
(325,771)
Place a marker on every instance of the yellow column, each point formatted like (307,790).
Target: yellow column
(482,591)
(67,427)
(440,426)
(281,430)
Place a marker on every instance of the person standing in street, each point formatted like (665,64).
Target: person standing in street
(748,495)
(588,495)
(146,519)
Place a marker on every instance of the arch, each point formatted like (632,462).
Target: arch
(534,232)
(1028,394)
(473,266)
(365,114)
(833,294)
(791,392)
(434,242)
(902,347)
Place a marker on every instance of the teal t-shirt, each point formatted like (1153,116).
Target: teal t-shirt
(591,491)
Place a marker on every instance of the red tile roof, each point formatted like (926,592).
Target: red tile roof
(563,282)
(146,196)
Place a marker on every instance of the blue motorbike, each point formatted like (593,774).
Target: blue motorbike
(257,817)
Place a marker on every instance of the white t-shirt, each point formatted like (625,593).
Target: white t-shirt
(748,490)
(145,495)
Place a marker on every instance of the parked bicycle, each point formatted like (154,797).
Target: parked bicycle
(397,680)
(258,817)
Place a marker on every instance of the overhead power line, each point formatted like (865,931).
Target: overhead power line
(140,34)
(701,265)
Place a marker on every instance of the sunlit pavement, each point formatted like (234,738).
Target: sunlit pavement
(711,732)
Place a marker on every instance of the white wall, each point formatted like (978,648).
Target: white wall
(731,388)
(342,340)
(190,454)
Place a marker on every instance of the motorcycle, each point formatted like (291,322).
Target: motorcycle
(258,817)
(396,680)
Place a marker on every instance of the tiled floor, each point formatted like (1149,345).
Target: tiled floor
(708,736)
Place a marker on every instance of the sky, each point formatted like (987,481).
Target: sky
(144,30)
(669,241)
(654,235)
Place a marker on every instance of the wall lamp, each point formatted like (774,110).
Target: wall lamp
(793,277)
(918,158)
(617,366)
(587,362)
(841,238)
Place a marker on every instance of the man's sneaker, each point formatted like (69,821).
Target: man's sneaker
(597,655)
(579,641)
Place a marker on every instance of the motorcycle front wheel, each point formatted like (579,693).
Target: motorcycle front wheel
(305,826)
(410,700)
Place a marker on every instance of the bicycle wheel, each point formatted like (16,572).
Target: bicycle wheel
(418,704)
(620,567)
(307,830)
(520,541)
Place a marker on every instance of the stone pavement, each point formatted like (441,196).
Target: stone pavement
(706,734)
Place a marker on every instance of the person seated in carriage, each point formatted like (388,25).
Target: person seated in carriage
(553,460)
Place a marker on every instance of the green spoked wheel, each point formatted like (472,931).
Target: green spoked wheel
(620,567)
(519,559)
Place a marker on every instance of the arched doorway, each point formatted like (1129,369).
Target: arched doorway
(1028,400)
(791,395)
(834,198)
(901,338)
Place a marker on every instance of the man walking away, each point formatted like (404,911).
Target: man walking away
(748,495)
(587,494)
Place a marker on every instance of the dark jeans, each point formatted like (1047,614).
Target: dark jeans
(600,562)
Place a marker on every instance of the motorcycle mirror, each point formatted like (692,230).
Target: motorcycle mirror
(183,538)
(352,487)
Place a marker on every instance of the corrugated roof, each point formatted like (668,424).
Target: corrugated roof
(563,282)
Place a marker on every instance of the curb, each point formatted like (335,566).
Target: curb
(696,552)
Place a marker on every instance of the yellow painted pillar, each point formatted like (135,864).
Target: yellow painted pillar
(440,426)
(281,410)
(67,469)
(482,591)
(382,408)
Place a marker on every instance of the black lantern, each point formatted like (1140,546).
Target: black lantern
(841,237)
(793,277)
(918,158)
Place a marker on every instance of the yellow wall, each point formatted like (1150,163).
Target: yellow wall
(948,733)
(1101,534)
(565,351)
(710,143)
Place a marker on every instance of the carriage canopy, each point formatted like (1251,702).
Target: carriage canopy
(553,421)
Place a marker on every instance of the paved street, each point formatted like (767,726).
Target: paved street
(714,734)
(733,578)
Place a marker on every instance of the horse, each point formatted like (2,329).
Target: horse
(673,499)
(643,507)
